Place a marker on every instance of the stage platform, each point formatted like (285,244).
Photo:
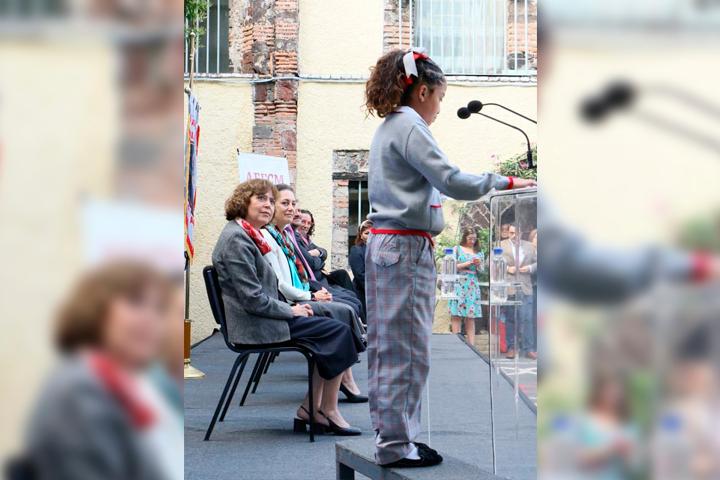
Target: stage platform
(255,442)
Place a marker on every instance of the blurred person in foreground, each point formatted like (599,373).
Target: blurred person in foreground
(608,442)
(686,437)
(100,414)
(599,443)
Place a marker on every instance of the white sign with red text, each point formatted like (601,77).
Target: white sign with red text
(275,169)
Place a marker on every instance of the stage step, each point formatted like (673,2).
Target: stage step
(358,456)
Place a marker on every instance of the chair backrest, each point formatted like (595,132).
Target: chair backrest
(214,293)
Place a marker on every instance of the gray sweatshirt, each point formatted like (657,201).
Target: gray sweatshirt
(408,171)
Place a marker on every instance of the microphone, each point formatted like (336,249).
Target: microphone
(617,96)
(622,95)
(465,112)
(476,105)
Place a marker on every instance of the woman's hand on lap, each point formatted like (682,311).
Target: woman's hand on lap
(302,310)
(323,296)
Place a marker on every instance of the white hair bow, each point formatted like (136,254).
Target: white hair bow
(409,64)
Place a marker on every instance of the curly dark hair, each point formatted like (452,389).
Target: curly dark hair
(386,89)
(237,204)
(311,230)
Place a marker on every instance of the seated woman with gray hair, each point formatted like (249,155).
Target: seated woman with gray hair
(257,314)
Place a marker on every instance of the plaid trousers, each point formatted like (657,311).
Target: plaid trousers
(400,293)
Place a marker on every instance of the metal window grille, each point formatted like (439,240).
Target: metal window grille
(358,207)
(212,53)
(477,37)
(36,9)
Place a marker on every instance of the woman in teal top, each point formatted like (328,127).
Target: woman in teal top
(467,307)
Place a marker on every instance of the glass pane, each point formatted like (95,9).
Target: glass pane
(491,304)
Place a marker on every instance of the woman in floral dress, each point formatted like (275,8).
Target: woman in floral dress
(467,307)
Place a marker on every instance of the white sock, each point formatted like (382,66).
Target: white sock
(413,455)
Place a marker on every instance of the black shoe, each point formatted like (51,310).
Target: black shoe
(422,447)
(351,397)
(340,431)
(427,459)
(300,425)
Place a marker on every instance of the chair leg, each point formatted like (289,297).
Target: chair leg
(234,387)
(261,371)
(250,380)
(222,397)
(268,361)
(311,370)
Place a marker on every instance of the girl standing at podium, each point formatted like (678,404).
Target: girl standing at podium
(407,174)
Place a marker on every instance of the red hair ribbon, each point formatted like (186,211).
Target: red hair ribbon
(409,60)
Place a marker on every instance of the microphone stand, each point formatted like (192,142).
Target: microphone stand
(531,165)
(511,111)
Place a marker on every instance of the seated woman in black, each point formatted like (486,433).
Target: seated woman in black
(256,314)
(357,259)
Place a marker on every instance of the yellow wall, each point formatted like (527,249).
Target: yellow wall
(226,120)
(53,151)
(338,37)
(625,180)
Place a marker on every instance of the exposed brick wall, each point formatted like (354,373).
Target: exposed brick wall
(341,212)
(350,164)
(264,42)
(391,29)
(347,165)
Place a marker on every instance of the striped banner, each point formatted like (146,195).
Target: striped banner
(192,142)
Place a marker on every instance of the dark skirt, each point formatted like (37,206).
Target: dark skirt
(330,340)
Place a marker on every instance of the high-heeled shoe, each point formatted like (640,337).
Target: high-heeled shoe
(351,397)
(300,425)
(338,430)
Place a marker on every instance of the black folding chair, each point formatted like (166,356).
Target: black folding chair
(266,353)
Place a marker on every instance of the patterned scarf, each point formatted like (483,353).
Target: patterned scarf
(290,232)
(300,277)
(256,236)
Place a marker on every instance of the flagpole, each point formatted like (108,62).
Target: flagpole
(189,372)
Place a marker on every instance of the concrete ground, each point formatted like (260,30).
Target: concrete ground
(256,441)
(525,368)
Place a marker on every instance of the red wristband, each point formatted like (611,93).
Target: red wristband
(511,183)
(701,262)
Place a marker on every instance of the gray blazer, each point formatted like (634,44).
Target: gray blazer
(254,313)
(408,172)
(80,431)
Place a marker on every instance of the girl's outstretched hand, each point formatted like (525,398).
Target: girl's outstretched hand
(523,183)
